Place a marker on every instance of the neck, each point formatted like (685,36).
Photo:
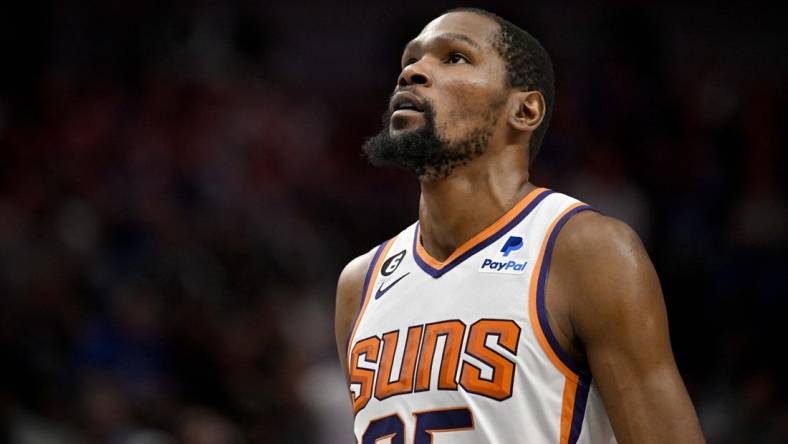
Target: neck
(453,210)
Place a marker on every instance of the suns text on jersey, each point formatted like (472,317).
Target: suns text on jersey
(421,342)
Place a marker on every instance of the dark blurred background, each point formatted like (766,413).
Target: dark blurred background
(181,183)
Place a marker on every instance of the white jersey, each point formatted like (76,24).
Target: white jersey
(460,351)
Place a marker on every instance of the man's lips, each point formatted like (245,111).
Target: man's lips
(406,112)
(406,103)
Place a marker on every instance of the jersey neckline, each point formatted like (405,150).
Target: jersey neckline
(484,238)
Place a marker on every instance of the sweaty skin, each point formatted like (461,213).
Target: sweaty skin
(603,297)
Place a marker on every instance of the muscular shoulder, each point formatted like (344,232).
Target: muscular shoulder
(610,273)
(348,297)
(351,281)
(616,311)
(593,240)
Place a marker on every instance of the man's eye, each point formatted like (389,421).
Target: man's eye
(457,58)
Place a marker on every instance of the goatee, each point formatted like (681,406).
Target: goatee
(422,151)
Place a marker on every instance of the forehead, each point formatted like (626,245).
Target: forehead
(477,28)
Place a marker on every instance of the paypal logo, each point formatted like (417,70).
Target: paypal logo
(513,267)
(514,243)
(502,263)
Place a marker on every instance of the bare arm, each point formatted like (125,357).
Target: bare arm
(616,312)
(349,287)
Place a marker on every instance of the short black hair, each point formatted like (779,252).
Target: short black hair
(528,68)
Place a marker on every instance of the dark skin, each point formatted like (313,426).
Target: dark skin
(603,297)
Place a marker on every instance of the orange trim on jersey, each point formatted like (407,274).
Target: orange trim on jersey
(370,285)
(567,410)
(540,336)
(480,237)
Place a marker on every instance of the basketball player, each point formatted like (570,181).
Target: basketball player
(507,313)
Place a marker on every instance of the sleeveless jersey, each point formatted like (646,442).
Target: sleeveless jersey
(460,351)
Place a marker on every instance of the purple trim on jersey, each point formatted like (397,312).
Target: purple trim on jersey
(438,272)
(367,278)
(541,309)
(579,409)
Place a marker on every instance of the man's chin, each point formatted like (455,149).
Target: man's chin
(396,133)
(404,124)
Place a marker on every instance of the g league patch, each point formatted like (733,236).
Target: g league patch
(502,263)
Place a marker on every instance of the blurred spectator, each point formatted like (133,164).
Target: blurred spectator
(200,426)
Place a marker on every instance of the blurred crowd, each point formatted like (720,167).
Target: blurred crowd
(181,184)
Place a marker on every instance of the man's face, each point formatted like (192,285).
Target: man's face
(448,100)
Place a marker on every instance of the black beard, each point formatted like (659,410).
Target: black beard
(422,151)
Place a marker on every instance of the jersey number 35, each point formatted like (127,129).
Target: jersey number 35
(427,423)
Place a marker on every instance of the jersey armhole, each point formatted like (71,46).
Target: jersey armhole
(369,283)
(537,307)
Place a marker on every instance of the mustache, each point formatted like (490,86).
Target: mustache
(408,89)
(427,106)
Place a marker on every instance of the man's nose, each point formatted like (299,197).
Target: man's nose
(414,74)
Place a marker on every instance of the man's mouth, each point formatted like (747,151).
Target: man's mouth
(406,103)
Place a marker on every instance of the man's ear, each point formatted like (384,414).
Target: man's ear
(527,110)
